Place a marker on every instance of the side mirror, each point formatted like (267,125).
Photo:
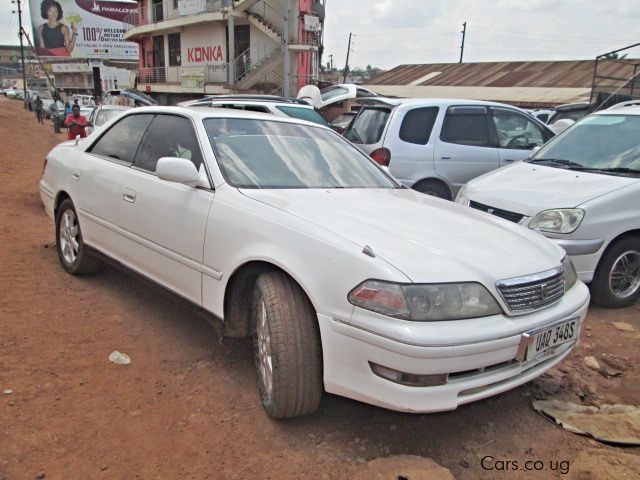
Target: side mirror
(179,170)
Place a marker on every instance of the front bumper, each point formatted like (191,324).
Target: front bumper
(478,367)
(585,255)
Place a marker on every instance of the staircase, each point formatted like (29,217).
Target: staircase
(262,58)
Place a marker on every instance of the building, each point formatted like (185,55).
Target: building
(189,48)
(526,84)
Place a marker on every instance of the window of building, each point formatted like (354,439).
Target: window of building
(174,50)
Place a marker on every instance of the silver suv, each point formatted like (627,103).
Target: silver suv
(279,106)
(437,145)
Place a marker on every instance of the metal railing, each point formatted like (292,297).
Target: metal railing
(161,11)
(174,75)
(270,16)
(254,56)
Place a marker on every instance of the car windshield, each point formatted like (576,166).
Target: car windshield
(271,154)
(608,143)
(303,113)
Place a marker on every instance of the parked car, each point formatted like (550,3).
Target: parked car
(437,145)
(102,114)
(582,191)
(280,106)
(541,114)
(341,123)
(570,111)
(11,93)
(273,235)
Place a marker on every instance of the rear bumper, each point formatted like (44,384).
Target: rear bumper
(48,199)
(476,369)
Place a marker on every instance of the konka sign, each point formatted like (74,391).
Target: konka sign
(205,54)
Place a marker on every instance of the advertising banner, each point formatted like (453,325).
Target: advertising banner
(192,77)
(82,29)
(191,7)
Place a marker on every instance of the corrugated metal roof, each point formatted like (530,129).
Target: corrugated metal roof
(549,74)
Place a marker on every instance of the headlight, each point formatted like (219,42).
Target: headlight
(462,197)
(570,275)
(426,302)
(560,220)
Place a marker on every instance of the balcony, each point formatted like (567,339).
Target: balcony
(208,79)
(169,14)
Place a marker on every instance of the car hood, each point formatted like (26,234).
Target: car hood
(529,188)
(427,239)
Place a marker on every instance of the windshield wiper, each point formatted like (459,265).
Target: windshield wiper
(557,161)
(609,170)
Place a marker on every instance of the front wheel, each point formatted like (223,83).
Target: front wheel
(616,282)
(434,189)
(287,349)
(72,253)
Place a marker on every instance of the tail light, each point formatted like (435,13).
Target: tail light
(382,156)
(44,167)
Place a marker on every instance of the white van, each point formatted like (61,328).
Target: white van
(581,190)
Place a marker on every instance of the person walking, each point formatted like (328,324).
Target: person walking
(76,123)
(38,107)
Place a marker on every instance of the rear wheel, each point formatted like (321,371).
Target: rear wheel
(433,188)
(616,282)
(287,347)
(72,253)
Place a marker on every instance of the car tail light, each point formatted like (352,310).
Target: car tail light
(382,156)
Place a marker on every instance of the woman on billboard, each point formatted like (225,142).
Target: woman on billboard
(53,35)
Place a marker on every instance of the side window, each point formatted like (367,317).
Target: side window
(168,136)
(417,125)
(516,131)
(100,119)
(467,126)
(256,108)
(121,141)
(368,126)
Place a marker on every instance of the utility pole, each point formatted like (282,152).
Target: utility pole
(24,73)
(464,32)
(346,65)
(331,61)
(286,32)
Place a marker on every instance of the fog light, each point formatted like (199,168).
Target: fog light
(409,379)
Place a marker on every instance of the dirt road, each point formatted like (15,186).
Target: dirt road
(187,407)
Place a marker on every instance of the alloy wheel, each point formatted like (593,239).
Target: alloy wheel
(69,244)
(624,278)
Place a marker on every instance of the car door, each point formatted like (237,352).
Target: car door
(466,147)
(166,220)
(516,134)
(99,178)
(409,139)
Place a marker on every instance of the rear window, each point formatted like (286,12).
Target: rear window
(308,114)
(368,126)
(417,125)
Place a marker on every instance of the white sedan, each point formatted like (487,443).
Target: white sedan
(346,280)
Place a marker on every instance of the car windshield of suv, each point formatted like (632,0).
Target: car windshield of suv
(270,154)
(303,113)
(600,143)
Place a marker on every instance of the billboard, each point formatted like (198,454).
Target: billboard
(82,29)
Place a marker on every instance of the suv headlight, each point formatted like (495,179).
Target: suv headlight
(558,220)
(425,302)
(462,197)
(570,275)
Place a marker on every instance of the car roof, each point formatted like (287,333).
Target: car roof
(274,102)
(432,102)
(625,110)
(204,113)
(114,107)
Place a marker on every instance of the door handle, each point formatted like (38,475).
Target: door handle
(76,175)
(129,195)
(508,160)
(445,158)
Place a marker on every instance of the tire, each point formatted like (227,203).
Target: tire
(76,261)
(616,282)
(433,188)
(287,349)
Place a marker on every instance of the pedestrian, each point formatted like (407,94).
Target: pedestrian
(67,109)
(76,124)
(39,109)
(55,116)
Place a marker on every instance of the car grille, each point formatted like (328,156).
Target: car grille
(532,292)
(498,212)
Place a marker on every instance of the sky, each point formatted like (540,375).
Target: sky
(392,32)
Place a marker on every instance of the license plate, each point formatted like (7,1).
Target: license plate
(535,343)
